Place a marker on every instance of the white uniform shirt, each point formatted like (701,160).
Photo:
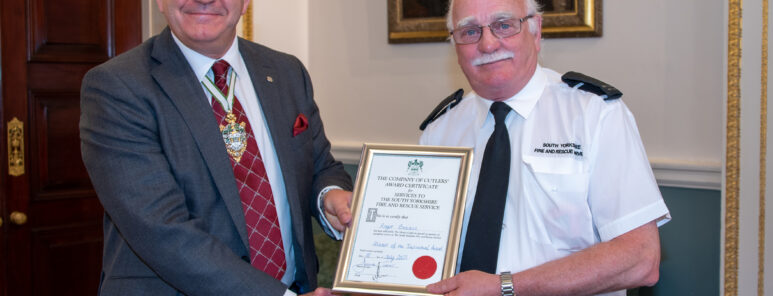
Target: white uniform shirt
(578,172)
(245,93)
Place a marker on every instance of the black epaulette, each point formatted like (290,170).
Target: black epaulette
(591,84)
(444,106)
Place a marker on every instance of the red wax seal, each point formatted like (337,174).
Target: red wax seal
(424,267)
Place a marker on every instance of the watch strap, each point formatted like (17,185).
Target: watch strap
(506,279)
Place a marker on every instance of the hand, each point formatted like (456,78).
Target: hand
(337,203)
(320,292)
(467,283)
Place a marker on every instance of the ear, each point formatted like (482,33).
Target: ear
(160,4)
(244,8)
(538,31)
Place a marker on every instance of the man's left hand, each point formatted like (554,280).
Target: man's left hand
(320,292)
(468,283)
(337,212)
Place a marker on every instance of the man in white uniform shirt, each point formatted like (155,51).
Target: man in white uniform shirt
(579,209)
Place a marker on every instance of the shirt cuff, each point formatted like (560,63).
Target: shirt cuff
(290,293)
(656,211)
(323,220)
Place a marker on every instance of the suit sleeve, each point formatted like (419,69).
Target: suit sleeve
(122,150)
(327,170)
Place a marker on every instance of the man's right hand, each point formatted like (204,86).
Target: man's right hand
(468,283)
(337,210)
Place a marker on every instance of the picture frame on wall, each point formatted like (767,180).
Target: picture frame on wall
(412,21)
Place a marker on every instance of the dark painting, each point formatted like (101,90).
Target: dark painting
(424,8)
(549,6)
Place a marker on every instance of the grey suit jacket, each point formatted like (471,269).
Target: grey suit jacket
(173,218)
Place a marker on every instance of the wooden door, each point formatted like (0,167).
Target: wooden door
(47,47)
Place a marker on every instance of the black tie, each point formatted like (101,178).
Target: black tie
(481,245)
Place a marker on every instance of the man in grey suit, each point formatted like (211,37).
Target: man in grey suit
(208,154)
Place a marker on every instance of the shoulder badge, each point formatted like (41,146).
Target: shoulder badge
(441,108)
(591,84)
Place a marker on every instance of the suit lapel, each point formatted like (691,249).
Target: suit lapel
(279,115)
(174,75)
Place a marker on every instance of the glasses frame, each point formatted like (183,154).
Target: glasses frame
(520,28)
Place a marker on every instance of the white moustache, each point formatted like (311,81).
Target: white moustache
(493,57)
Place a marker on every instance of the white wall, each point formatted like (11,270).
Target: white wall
(152,19)
(368,90)
(667,60)
(281,25)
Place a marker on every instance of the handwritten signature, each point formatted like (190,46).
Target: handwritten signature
(375,265)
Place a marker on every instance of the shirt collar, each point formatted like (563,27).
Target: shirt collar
(201,64)
(522,102)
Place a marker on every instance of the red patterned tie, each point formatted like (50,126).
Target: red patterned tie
(266,248)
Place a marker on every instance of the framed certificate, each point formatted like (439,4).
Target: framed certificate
(407,207)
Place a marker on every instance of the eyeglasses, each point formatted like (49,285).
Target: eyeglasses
(501,29)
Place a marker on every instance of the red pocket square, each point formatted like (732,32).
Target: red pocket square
(301,124)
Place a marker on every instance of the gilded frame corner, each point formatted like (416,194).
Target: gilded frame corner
(585,20)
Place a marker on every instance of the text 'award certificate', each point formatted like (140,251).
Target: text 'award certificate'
(407,211)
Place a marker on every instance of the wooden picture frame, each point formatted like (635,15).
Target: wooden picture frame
(562,18)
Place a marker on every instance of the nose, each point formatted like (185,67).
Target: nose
(488,42)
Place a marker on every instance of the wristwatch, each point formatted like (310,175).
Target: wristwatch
(507,283)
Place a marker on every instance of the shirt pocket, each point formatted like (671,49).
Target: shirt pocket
(557,189)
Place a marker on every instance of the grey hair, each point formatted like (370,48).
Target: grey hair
(532,7)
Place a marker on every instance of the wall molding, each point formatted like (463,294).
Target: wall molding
(687,174)
(668,172)
(347,152)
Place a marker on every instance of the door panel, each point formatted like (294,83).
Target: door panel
(47,47)
(63,261)
(54,122)
(69,31)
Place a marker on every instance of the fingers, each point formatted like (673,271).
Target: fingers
(320,292)
(333,220)
(343,213)
(443,287)
(337,208)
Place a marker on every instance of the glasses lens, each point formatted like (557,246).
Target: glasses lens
(506,28)
(466,35)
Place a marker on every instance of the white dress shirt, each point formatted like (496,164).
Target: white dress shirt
(245,93)
(579,174)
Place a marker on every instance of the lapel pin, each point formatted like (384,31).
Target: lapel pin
(269,79)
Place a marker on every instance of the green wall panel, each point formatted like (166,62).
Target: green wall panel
(690,243)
